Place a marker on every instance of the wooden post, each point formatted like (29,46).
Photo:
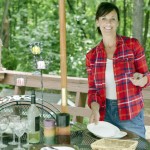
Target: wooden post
(63,65)
(1,54)
(80,101)
(1,67)
(19,90)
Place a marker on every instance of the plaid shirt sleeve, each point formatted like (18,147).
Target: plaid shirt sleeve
(92,92)
(140,60)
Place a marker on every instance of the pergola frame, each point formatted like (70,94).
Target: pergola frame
(63,66)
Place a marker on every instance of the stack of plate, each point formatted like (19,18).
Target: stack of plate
(105,130)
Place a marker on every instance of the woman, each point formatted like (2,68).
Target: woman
(117,72)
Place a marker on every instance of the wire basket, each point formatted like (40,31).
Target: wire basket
(114,144)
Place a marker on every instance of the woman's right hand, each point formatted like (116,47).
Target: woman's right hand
(95,116)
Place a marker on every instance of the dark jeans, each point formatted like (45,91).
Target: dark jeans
(135,125)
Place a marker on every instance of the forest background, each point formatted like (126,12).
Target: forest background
(26,21)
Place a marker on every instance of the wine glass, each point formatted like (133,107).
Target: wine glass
(4,122)
(12,120)
(27,130)
(19,131)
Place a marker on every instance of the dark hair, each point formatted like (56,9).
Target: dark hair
(105,8)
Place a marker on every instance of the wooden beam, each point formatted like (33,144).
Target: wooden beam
(63,66)
(49,81)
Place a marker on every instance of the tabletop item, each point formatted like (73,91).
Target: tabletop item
(63,128)
(114,144)
(19,130)
(49,131)
(4,122)
(105,130)
(58,148)
(26,122)
(12,120)
(34,120)
(119,135)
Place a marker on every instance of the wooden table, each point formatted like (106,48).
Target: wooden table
(82,138)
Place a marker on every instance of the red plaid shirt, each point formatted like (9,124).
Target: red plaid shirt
(128,58)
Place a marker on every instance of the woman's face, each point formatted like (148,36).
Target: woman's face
(108,23)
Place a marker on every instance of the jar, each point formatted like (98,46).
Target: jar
(63,128)
(49,131)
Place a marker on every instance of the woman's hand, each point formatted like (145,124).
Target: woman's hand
(139,80)
(94,118)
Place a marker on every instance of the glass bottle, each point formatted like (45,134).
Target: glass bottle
(34,121)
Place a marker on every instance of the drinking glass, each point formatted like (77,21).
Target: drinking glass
(12,120)
(27,130)
(3,126)
(19,131)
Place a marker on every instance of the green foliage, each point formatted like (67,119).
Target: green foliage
(38,20)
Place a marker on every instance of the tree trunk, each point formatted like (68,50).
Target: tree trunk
(147,16)
(138,19)
(125,17)
(4,33)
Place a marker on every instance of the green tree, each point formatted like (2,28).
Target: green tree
(27,21)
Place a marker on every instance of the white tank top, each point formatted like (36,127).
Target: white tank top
(110,81)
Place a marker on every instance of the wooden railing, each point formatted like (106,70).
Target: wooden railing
(74,84)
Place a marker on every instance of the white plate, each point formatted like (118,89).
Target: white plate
(58,148)
(103,129)
(119,135)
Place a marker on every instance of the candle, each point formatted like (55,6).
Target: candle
(20,82)
(49,131)
(40,65)
(63,128)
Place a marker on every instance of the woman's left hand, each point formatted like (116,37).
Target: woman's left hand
(139,80)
